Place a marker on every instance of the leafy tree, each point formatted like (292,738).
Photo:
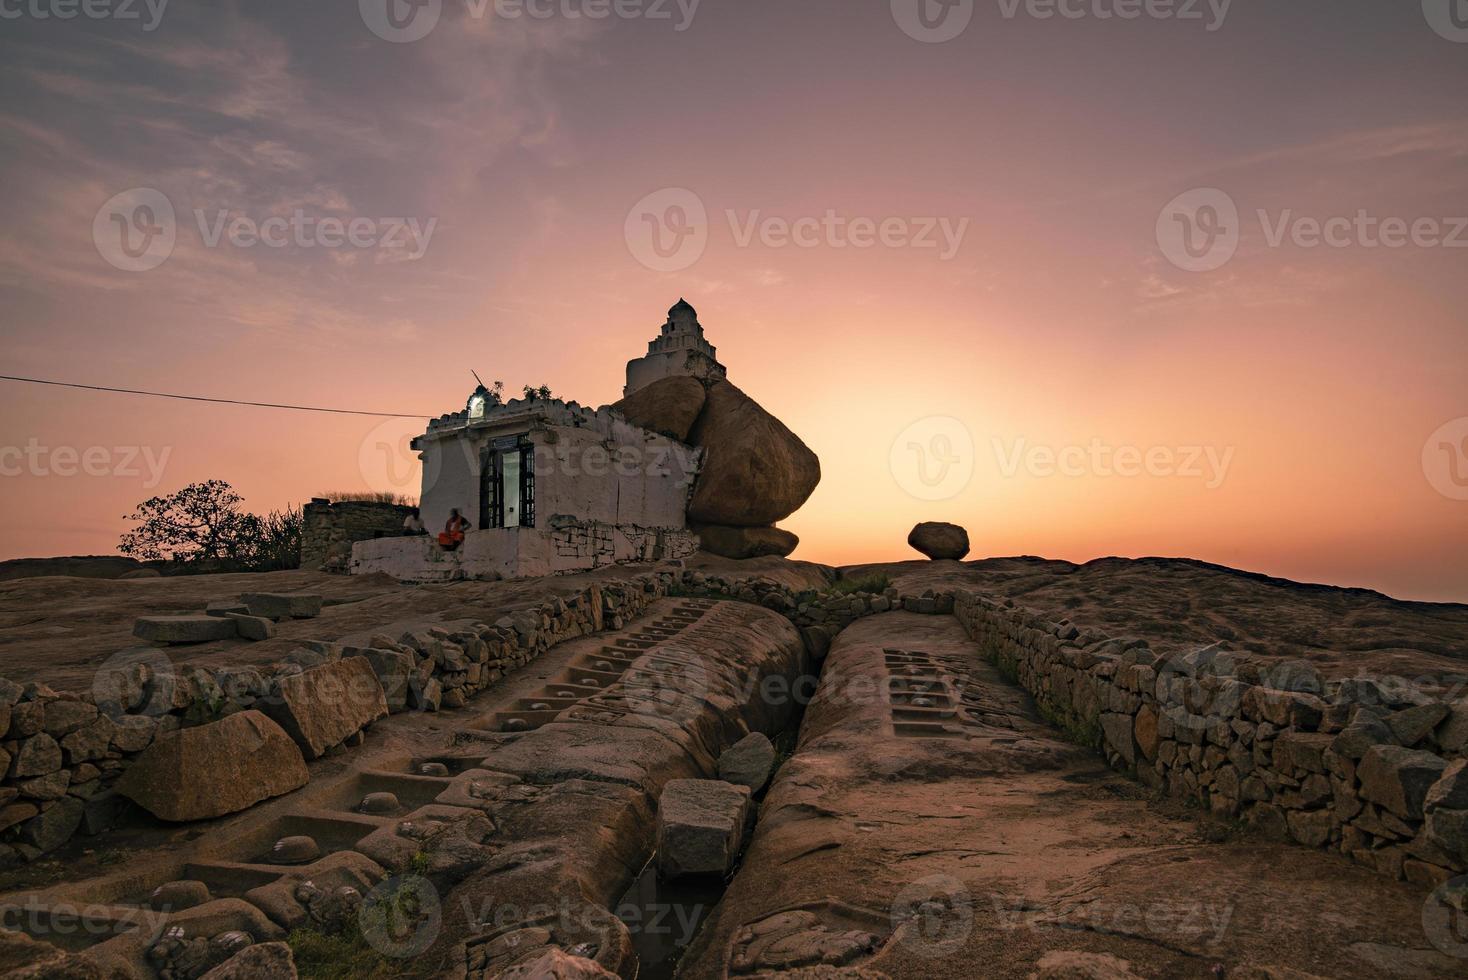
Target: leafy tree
(203,528)
(543,393)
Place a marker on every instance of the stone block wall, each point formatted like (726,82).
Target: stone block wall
(328,530)
(1369,766)
(61,753)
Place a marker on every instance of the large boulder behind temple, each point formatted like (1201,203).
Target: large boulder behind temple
(755,470)
(208,771)
(669,406)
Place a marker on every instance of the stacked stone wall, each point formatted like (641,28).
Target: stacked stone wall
(328,530)
(1371,767)
(61,753)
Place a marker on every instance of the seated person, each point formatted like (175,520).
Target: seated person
(453,531)
(413,523)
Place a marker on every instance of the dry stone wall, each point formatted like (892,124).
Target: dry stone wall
(62,753)
(329,529)
(1371,767)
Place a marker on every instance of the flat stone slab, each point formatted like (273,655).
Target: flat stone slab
(252,627)
(700,826)
(185,629)
(320,707)
(208,771)
(282,605)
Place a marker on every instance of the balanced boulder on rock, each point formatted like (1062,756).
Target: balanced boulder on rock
(208,771)
(745,542)
(756,472)
(938,540)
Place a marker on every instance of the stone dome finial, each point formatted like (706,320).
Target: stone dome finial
(682,306)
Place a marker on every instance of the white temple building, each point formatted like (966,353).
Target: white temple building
(547,486)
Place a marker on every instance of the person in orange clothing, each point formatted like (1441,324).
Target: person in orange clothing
(453,531)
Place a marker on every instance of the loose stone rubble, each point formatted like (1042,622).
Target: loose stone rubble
(1314,761)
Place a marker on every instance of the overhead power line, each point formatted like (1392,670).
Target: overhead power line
(216,401)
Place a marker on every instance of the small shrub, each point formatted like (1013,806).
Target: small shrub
(874,582)
(369,497)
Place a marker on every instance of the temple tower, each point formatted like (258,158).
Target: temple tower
(678,349)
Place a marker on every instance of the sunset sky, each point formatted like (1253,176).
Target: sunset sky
(1304,404)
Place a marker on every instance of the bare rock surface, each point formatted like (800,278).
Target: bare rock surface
(756,472)
(574,801)
(1181,605)
(961,837)
(214,769)
(73,566)
(668,406)
(62,630)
